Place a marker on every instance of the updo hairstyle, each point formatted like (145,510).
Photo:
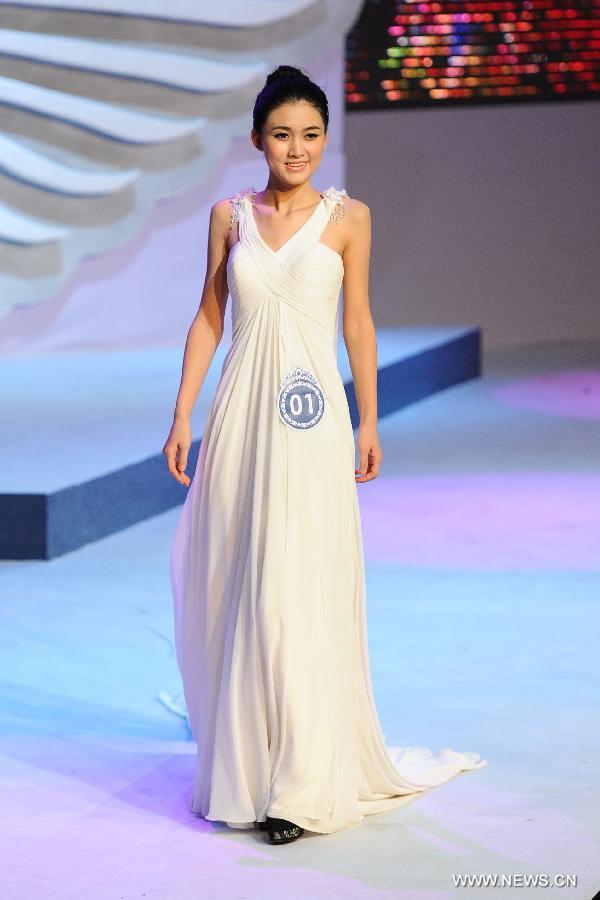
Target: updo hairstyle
(284,85)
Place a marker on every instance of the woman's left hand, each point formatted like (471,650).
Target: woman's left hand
(369,450)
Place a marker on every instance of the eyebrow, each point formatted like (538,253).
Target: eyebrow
(287,127)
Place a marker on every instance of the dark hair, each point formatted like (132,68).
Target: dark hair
(285,84)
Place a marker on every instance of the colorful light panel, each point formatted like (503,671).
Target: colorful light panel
(424,53)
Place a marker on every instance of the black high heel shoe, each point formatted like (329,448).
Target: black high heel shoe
(281,831)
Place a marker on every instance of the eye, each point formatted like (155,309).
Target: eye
(283,134)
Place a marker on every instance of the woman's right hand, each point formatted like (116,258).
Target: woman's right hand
(177,447)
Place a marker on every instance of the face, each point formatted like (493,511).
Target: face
(293,140)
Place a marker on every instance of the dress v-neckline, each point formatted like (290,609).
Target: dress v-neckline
(292,236)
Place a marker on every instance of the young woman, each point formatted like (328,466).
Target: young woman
(267,561)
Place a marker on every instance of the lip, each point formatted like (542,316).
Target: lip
(296,166)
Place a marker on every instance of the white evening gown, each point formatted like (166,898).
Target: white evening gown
(267,564)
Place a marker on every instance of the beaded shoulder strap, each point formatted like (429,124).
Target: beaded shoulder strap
(247,195)
(335,203)
(334,198)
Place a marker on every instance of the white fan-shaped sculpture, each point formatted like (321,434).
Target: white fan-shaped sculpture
(105,106)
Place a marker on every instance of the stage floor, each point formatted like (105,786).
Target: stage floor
(71,417)
(82,453)
(483,575)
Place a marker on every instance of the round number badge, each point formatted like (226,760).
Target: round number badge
(300,402)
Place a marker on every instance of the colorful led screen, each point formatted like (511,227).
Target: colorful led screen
(415,53)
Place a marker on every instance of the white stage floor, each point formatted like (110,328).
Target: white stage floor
(481,540)
(68,418)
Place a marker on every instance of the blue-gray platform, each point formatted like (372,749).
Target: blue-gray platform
(83,432)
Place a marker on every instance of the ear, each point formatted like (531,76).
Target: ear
(256,139)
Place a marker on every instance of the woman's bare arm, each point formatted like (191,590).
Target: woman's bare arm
(359,335)
(203,338)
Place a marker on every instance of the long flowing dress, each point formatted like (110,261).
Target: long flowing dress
(267,563)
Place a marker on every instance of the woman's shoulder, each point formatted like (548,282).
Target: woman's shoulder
(227,209)
(342,205)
